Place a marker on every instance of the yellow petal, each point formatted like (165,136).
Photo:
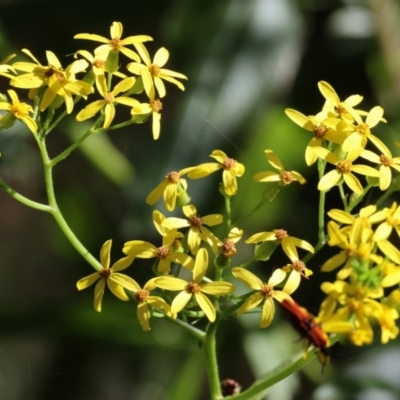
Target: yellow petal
(122,264)
(180,301)
(105,254)
(156,193)
(329,180)
(277,277)
(212,219)
(251,302)
(98,294)
(125,281)
(87,281)
(274,160)
(206,305)
(267,314)
(218,288)
(247,278)
(143,315)
(292,283)
(170,283)
(200,265)
(117,290)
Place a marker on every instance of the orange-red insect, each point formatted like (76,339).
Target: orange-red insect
(306,325)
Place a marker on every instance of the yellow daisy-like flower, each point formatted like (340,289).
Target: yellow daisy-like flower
(116,282)
(115,44)
(152,73)
(170,188)
(4,68)
(385,229)
(385,161)
(198,231)
(59,82)
(295,271)
(339,108)
(330,129)
(19,110)
(109,99)
(387,320)
(265,293)
(147,303)
(165,254)
(343,170)
(284,177)
(289,243)
(152,108)
(231,167)
(195,288)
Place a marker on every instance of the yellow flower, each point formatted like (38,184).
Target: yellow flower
(295,271)
(152,73)
(198,231)
(195,288)
(171,187)
(165,254)
(385,160)
(19,110)
(142,296)
(231,168)
(385,229)
(289,243)
(386,318)
(153,107)
(4,68)
(116,282)
(359,138)
(324,128)
(284,177)
(115,44)
(343,170)
(109,99)
(59,82)
(265,293)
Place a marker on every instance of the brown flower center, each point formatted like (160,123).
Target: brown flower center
(267,290)
(50,71)
(280,234)
(228,248)
(141,295)
(386,161)
(340,109)
(299,266)
(156,105)
(193,288)
(286,177)
(115,43)
(173,177)
(154,69)
(362,129)
(105,273)
(196,221)
(320,131)
(109,98)
(98,63)
(162,252)
(344,166)
(229,163)
(60,77)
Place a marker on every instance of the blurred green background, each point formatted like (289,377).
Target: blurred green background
(247,60)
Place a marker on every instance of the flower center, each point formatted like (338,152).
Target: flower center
(286,177)
(280,234)
(162,252)
(141,295)
(60,77)
(193,288)
(115,43)
(20,110)
(363,129)
(196,221)
(320,131)
(386,161)
(109,98)
(340,109)
(98,63)
(173,177)
(229,163)
(154,69)
(50,71)
(299,266)
(156,105)
(228,248)
(344,166)
(267,290)
(105,273)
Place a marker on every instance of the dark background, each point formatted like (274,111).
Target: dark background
(246,62)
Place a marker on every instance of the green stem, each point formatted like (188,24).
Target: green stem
(343,197)
(321,217)
(47,165)
(210,351)
(228,214)
(25,200)
(197,333)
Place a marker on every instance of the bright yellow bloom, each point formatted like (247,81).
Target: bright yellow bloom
(385,160)
(115,44)
(116,282)
(4,68)
(142,296)
(284,177)
(170,188)
(386,318)
(289,243)
(19,110)
(109,99)
(385,229)
(324,128)
(59,82)
(295,271)
(165,254)
(152,73)
(362,131)
(153,107)
(231,170)
(198,231)
(265,293)
(195,288)
(343,170)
